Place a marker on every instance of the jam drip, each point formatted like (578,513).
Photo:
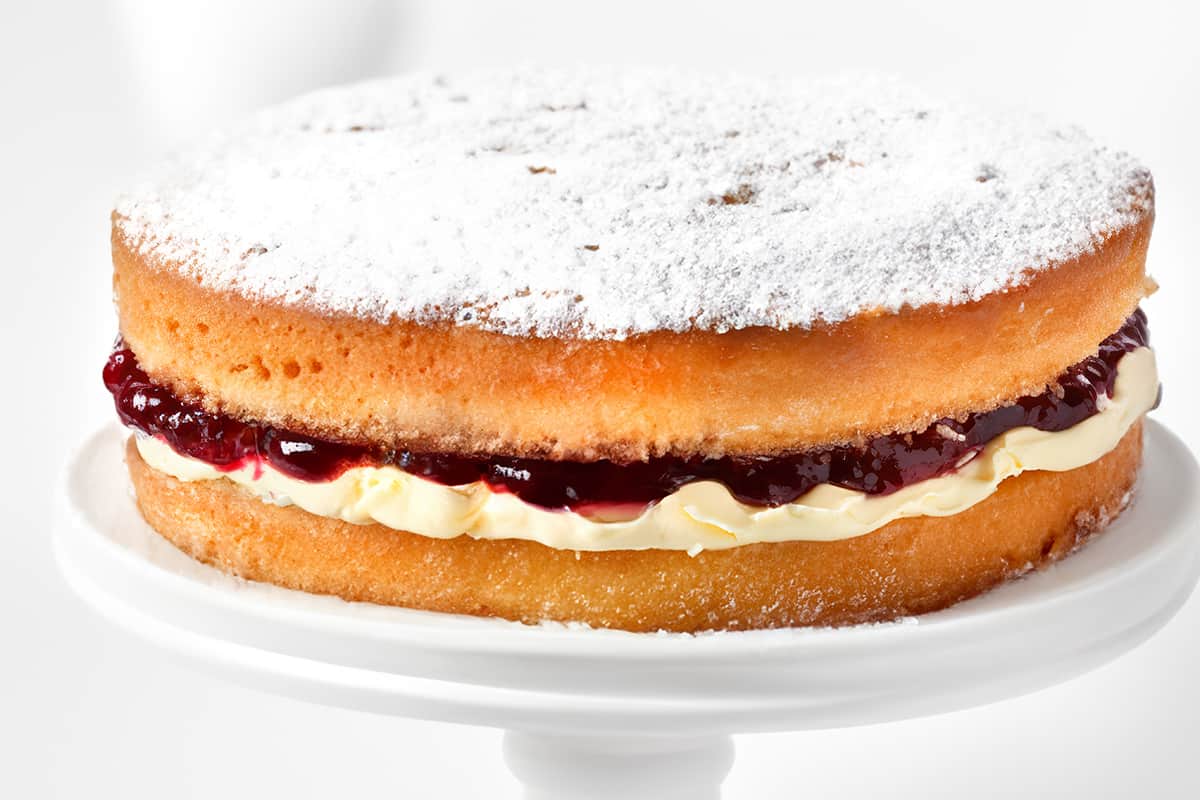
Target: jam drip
(881,465)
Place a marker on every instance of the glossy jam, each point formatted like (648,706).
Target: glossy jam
(883,464)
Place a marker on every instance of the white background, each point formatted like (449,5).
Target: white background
(91,91)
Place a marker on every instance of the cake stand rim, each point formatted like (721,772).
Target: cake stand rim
(712,699)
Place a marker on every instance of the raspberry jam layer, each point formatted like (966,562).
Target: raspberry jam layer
(880,466)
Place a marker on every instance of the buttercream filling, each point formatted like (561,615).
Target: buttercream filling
(699,515)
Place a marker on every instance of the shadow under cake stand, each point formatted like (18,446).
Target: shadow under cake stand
(595,713)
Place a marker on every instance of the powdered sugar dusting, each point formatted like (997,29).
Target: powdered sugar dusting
(605,203)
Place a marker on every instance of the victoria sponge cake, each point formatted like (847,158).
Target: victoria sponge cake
(639,349)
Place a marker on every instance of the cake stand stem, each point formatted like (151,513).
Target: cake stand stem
(575,767)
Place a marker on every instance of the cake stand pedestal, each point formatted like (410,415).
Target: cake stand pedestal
(594,713)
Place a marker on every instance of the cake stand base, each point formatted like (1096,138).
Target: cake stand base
(594,713)
(553,767)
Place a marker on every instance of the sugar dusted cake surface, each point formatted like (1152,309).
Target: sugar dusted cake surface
(603,204)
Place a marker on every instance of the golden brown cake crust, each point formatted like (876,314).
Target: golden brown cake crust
(753,391)
(910,566)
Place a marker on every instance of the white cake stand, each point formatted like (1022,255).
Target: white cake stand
(593,713)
